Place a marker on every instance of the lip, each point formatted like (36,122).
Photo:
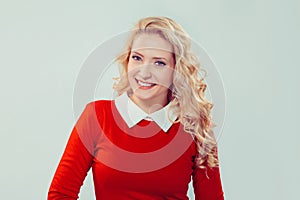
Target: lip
(143,86)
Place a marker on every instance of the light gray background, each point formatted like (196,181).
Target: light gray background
(255,45)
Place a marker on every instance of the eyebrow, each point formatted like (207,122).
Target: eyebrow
(152,57)
(138,53)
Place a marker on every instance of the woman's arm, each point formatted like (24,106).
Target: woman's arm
(76,160)
(207,184)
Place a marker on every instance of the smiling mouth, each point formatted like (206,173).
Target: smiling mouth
(145,85)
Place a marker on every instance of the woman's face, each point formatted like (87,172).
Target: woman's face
(150,69)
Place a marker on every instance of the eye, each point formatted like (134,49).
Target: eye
(160,63)
(137,58)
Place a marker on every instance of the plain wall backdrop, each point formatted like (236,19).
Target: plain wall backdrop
(255,45)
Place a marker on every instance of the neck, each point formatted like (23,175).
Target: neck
(150,106)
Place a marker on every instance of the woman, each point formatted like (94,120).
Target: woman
(156,135)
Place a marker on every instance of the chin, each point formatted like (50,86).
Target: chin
(144,96)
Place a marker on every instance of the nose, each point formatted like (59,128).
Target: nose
(145,72)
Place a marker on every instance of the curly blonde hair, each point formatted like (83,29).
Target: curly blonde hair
(187,93)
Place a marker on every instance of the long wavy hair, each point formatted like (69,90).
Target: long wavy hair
(187,93)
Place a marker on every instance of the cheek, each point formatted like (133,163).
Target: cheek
(131,67)
(166,78)
(131,71)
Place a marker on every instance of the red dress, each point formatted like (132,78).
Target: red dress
(128,163)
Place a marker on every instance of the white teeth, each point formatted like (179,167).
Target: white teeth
(145,84)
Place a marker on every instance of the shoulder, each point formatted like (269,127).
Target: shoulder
(100,103)
(100,106)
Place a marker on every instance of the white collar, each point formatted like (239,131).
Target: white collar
(132,114)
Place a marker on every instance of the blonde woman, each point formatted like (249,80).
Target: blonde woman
(156,135)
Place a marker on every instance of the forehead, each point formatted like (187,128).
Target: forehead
(146,41)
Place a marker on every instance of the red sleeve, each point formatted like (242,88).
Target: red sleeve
(76,159)
(207,184)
